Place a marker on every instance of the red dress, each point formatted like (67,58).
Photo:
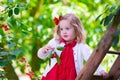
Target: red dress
(66,69)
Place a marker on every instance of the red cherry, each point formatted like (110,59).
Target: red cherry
(6,27)
(28,65)
(23,60)
(54,55)
(30,74)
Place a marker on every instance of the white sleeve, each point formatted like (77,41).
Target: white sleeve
(42,55)
(86,52)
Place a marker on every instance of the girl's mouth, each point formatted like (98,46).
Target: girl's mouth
(65,36)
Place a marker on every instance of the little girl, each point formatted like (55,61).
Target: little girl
(70,34)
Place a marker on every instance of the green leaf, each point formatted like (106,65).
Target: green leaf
(1,18)
(10,45)
(16,10)
(108,19)
(98,17)
(11,57)
(50,58)
(116,38)
(102,21)
(1,57)
(3,62)
(10,0)
(3,53)
(16,51)
(58,58)
(117,10)
(115,41)
(60,48)
(3,78)
(112,8)
(25,32)
(10,13)
(117,33)
(2,72)
(84,62)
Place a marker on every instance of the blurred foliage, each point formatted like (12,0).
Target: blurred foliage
(31,26)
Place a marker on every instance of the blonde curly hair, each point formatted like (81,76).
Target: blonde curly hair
(76,23)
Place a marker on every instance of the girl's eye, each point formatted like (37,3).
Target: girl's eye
(67,28)
(61,29)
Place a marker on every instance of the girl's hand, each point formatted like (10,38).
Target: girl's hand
(104,74)
(47,48)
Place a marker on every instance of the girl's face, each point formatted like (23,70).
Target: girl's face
(67,32)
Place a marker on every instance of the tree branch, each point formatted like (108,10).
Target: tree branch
(113,52)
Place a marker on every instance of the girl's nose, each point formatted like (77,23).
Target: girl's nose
(64,31)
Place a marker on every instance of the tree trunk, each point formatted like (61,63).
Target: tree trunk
(10,72)
(35,61)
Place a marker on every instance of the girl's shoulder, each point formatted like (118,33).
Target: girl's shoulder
(82,45)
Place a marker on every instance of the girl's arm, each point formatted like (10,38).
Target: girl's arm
(44,52)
